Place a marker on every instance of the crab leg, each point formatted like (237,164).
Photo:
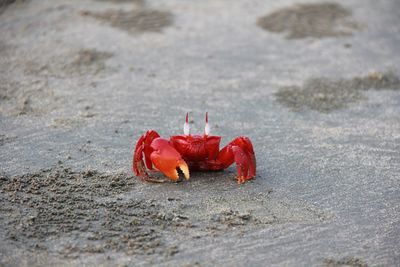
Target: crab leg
(240,151)
(143,148)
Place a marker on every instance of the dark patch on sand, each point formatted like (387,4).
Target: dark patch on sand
(310,20)
(6,139)
(80,62)
(326,95)
(89,60)
(348,261)
(140,20)
(5,3)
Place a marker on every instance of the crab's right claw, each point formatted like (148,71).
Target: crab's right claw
(167,160)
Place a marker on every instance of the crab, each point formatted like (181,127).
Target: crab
(195,152)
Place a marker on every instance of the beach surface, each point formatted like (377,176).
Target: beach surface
(315,85)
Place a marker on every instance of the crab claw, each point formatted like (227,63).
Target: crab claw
(167,160)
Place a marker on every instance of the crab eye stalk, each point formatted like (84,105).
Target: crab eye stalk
(207,127)
(186,127)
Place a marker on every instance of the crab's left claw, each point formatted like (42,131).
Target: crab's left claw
(167,160)
(152,151)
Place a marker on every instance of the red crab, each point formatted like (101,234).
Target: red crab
(194,152)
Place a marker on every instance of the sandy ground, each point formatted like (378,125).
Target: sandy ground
(314,85)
